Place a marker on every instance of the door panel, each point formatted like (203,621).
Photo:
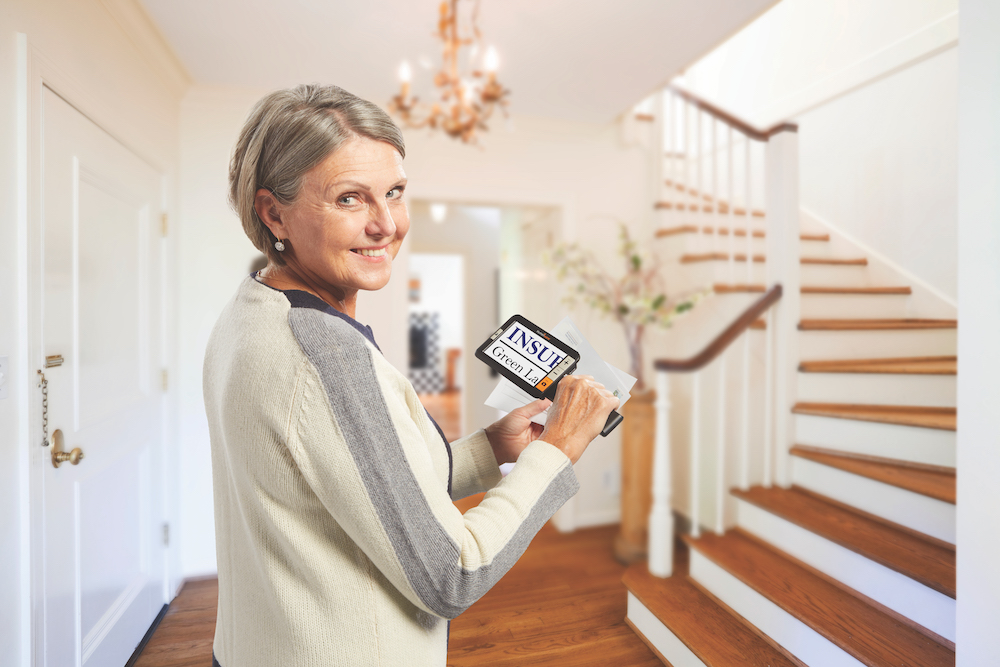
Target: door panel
(102,554)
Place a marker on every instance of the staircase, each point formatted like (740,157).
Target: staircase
(850,558)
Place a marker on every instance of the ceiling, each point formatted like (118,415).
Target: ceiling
(583,60)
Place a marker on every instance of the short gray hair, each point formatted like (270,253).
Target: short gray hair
(288,133)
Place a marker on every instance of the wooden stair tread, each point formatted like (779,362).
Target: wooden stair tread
(691,258)
(863,631)
(713,256)
(932,481)
(902,415)
(725,231)
(897,548)
(893,366)
(712,631)
(875,324)
(857,290)
(725,288)
(857,261)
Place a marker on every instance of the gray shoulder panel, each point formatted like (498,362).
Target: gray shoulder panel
(428,554)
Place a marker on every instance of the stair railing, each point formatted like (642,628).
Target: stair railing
(720,169)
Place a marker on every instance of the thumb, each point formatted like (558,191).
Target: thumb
(534,408)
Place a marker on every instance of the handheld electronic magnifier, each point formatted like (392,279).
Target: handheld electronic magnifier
(533,359)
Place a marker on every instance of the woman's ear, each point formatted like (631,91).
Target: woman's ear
(267,208)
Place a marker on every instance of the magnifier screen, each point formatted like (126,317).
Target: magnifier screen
(528,356)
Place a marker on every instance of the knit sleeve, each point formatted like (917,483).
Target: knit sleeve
(366,460)
(475,467)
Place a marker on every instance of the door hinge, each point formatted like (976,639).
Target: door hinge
(163,379)
(163,224)
(166,534)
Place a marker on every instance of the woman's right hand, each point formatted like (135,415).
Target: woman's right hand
(578,414)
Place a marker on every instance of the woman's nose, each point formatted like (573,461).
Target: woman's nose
(381,223)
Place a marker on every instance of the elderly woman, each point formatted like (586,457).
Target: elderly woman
(338,543)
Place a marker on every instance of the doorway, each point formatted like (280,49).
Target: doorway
(501,250)
(98,537)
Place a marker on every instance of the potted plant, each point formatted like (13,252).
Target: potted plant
(637,299)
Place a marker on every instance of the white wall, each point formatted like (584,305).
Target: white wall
(881,165)
(873,87)
(215,255)
(978,333)
(129,83)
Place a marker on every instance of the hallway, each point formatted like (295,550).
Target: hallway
(562,604)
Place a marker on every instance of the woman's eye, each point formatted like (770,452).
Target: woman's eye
(395,193)
(348,200)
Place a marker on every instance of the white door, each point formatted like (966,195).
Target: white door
(102,546)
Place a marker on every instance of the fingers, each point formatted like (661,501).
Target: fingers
(534,408)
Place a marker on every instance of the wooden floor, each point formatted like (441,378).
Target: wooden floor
(184,638)
(563,603)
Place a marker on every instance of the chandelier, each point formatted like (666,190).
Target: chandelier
(467,96)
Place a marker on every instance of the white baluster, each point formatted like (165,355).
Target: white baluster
(731,213)
(695,455)
(699,188)
(688,167)
(749,215)
(745,416)
(717,242)
(661,518)
(769,443)
(720,452)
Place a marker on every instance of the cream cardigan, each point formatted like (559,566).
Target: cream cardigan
(337,539)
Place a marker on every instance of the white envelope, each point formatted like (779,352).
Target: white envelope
(507,396)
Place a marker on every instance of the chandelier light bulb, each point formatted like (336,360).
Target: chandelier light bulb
(467,94)
(491,61)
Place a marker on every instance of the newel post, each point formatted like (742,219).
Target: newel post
(783,266)
(661,518)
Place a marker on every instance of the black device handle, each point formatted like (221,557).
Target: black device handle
(614,419)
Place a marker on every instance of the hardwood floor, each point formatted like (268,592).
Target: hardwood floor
(563,603)
(184,638)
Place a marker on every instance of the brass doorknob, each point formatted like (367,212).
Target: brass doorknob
(59,456)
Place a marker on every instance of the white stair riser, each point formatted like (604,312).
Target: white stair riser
(853,306)
(896,591)
(906,443)
(878,389)
(880,343)
(659,635)
(787,631)
(829,275)
(920,513)
(820,249)
(706,274)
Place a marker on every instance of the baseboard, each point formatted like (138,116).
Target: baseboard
(149,635)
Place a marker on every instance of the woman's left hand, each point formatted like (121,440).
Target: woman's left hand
(509,436)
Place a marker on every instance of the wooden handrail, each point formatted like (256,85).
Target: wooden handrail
(724,339)
(741,125)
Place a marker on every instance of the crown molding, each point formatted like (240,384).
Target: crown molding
(150,42)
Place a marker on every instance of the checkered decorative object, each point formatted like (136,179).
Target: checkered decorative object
(425,353)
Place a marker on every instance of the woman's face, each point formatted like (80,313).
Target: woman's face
(349,219)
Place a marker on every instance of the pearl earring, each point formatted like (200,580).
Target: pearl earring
(279,246)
